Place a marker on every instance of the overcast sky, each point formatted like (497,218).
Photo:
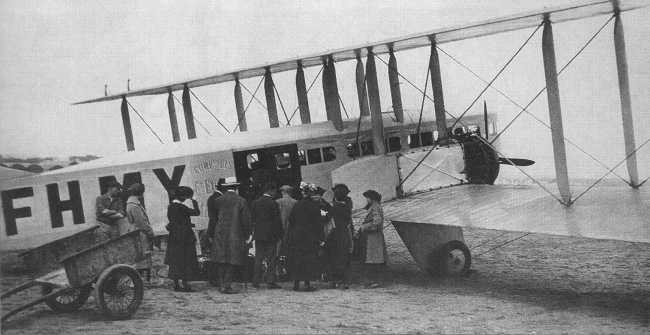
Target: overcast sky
(58,52)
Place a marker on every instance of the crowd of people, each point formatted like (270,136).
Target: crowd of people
(294,232)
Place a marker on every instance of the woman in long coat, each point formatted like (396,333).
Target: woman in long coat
(181,244)
(371,239)
(338,247)
(305,239)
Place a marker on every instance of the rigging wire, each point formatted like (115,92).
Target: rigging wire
(489,145)
(281,104)
(559,72)
(505,66)
(426,84)
(145,122)
(194,117)
(343,105)
(308,89)
(208,110)
(503,244)
(612,169)
(240,118)
(525,108)
(254,95)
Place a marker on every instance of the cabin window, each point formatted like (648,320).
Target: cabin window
(428,137)
(313,156)
(283,161)
(301,157)
(329,154)
(253,161)
(413,140)
(393,144)
(367,148)
(353,149)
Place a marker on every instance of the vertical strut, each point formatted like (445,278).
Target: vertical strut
(189,116)
(239,105)
(393,79)
(555,112)
(375,105)
(301,91)
(436,87)
(270,99)
(173,121)
(331,93)
(361,87)
(626,103)
(126,122)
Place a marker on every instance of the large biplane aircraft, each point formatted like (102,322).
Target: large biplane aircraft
(436,172)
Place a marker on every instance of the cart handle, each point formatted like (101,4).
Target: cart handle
(32,303)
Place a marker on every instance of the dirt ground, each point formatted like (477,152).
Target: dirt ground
(537,284)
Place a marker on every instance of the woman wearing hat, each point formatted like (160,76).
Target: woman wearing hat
(372,242)
(305,238)
(181,244)
(338,247)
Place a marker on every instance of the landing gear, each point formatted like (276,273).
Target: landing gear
(451,259)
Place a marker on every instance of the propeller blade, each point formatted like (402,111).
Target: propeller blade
(516,161)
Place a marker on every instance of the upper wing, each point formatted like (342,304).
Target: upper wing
(579,10)
(605,212)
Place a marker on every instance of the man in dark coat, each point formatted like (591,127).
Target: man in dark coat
(232,231)
(267,226)
(212,223)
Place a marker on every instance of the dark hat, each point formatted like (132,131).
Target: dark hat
(342,187)
(113,183)
(136,189)
(182,191)
(372,195)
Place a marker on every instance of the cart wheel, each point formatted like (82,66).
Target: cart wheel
(119,291)
(454,259)
(69,300)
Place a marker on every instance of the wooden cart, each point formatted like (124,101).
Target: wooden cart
(105,267)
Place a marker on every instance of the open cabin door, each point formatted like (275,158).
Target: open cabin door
(256,168)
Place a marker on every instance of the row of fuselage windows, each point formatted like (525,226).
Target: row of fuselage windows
(394,143)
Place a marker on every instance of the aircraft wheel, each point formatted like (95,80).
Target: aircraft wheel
(454,259)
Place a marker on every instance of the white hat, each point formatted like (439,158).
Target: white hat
(230,181)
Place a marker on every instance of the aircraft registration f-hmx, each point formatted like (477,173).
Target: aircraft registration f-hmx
(441,167)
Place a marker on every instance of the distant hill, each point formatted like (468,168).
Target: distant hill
(40,164)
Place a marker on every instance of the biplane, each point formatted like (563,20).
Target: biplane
(436,172)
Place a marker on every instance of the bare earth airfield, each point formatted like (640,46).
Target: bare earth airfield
(538,284)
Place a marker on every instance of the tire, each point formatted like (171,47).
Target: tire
(119,291)
(454,259)
(69,300)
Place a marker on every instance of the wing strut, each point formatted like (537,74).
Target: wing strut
(331,93)
(626,103)
(555,112)
(239,105)
(375,105)
(393,79)
(126,122)
(301,91)
(270,99)
(173,122)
